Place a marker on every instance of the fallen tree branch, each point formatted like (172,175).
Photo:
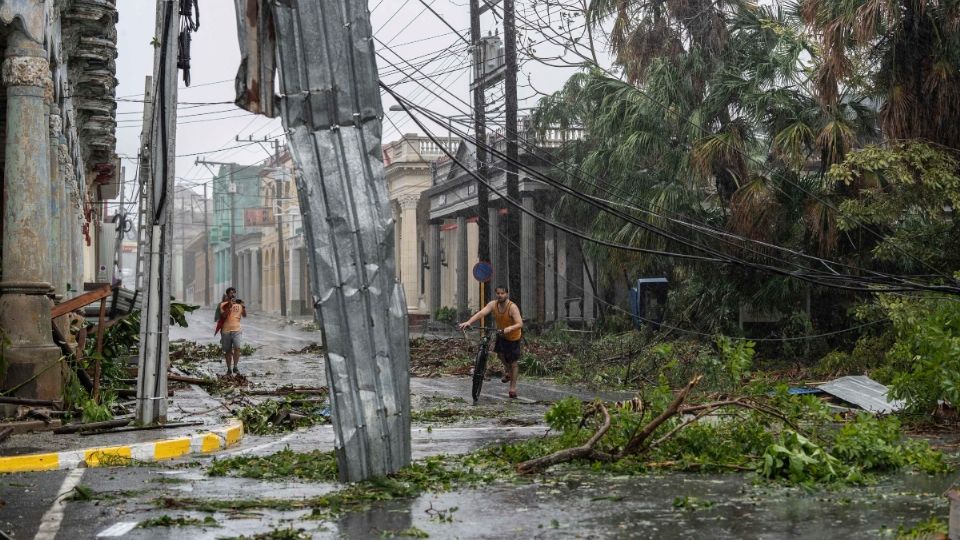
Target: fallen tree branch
(568,454)
(587,451)
(90,426)
(680,426)
(190,380)
(635,445)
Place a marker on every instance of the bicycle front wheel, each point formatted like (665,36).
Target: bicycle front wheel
(479,371)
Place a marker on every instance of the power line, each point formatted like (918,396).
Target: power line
(769,170)
(648,226)
(826,280)
(516,245)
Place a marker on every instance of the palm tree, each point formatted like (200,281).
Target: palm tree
(905,52)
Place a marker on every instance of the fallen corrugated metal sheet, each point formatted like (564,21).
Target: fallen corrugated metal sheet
(254,83)
(863,392)
(330,105)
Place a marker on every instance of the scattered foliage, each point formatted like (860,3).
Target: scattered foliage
(279,415)
(179,521)
(315,466)
(410,532)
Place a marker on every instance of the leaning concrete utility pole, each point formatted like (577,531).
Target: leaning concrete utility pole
(155,317)
(331,109)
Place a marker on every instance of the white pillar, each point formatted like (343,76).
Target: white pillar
(409,251)
(550,273)
(435,270)
(562,289)
(528,261)
(499,270)
(463,305)
(257,297)
(293,282)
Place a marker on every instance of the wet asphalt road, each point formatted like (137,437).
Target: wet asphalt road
(557,506)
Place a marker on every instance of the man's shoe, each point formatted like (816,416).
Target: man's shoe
(505,379)
(513,394)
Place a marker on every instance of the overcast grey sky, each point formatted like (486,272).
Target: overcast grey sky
(407,26)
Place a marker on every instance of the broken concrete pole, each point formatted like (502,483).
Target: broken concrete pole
(331,111)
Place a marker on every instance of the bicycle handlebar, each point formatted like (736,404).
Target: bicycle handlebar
(482,331)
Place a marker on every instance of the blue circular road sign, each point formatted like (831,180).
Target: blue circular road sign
(483,271)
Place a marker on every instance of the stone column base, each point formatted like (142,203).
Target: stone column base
(32,358)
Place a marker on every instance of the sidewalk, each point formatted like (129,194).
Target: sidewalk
(44,451)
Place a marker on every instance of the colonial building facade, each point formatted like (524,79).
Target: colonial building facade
(59,166)
(555,276)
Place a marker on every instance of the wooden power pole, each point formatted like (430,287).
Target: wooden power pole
(513,155)
(480,134)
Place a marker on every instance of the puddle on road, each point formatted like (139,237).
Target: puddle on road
(561,505)
(706,506)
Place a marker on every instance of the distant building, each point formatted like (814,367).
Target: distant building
(555,275)
(408,169)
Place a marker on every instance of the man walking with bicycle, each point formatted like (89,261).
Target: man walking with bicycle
(507,317)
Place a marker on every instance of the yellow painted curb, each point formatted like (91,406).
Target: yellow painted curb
(109,456)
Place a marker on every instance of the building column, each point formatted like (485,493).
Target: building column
(294,274)
(257,296)
(248,276)
(33,360)
(68,219)
(463,307)
(499,272)
(409,260)
(561,278)
(550,273)
(237,280)
(57,213)
(528,261)
(435,270)
(589,273)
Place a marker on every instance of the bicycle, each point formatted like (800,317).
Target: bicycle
(480,362)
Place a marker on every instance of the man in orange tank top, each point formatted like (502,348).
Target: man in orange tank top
(506,314)
(232,311)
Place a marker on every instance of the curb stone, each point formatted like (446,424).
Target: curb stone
(202,443)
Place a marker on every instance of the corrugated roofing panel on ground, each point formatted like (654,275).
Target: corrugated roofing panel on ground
(863,392)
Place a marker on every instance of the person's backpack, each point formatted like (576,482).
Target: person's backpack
(221,318)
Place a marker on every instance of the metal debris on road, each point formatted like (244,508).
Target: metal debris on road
(863,392)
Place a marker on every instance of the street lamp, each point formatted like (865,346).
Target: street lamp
(450,119)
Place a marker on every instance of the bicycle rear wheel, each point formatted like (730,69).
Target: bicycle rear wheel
(479,370)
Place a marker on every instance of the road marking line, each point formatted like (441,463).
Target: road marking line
(118,529)
(51,520)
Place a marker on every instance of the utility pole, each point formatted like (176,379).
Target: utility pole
(206,250)
(155,324)
(513,155)
(281,259)
(232,191)
(480,134)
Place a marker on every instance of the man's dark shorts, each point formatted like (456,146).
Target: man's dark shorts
(508,350)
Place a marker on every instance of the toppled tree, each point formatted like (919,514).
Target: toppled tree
(779,437)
